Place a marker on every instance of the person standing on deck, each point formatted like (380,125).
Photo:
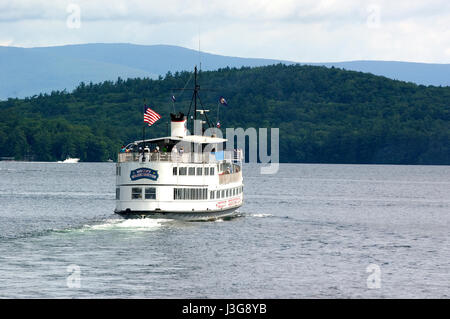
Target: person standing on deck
(174,152)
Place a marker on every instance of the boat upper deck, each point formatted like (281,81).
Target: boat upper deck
(191,157)
(180,149)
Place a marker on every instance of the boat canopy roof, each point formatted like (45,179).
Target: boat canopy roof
(188,138)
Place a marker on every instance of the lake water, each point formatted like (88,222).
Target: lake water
(309,231)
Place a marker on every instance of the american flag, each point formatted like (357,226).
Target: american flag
(151,116)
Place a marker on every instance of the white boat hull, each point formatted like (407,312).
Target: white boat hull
(207,197)
(187,216)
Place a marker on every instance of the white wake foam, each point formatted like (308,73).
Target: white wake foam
(132,224)
(261,215)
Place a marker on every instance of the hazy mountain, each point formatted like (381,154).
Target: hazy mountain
(419,73)
(29,71)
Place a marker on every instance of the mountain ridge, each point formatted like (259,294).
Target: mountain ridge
(30,71)
(324,115)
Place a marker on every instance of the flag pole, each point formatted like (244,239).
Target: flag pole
(218,105)
(143,128)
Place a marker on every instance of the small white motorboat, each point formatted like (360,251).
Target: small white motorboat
(70,160)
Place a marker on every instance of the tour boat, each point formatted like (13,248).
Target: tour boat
(181,176)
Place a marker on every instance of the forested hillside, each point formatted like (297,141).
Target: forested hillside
(324,115)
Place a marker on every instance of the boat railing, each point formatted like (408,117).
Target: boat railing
(230,178)
(191,157)
(237,155)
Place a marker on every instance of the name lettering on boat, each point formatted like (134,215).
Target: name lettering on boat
(144,173)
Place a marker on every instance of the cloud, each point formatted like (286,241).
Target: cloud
(319,30)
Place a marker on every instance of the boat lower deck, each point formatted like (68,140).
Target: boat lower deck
(187,216)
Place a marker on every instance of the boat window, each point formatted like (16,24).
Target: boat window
(223,194)
(182,171)
(190,193)
(211,171)
(136,193)
(217,194)
(199,171)
(206,170)
(118,193)
(175,170)
(191,171)
(211,194)
(150,193)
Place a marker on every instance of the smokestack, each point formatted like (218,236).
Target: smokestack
(178,124)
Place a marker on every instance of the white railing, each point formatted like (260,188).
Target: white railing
(230,178)
(179,158)
(128,157)
(238,155)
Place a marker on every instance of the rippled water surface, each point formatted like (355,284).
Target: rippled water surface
(309,231)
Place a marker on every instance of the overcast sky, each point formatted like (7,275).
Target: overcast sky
(302,30)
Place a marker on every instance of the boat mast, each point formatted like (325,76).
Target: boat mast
(195,96)
(196,89)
